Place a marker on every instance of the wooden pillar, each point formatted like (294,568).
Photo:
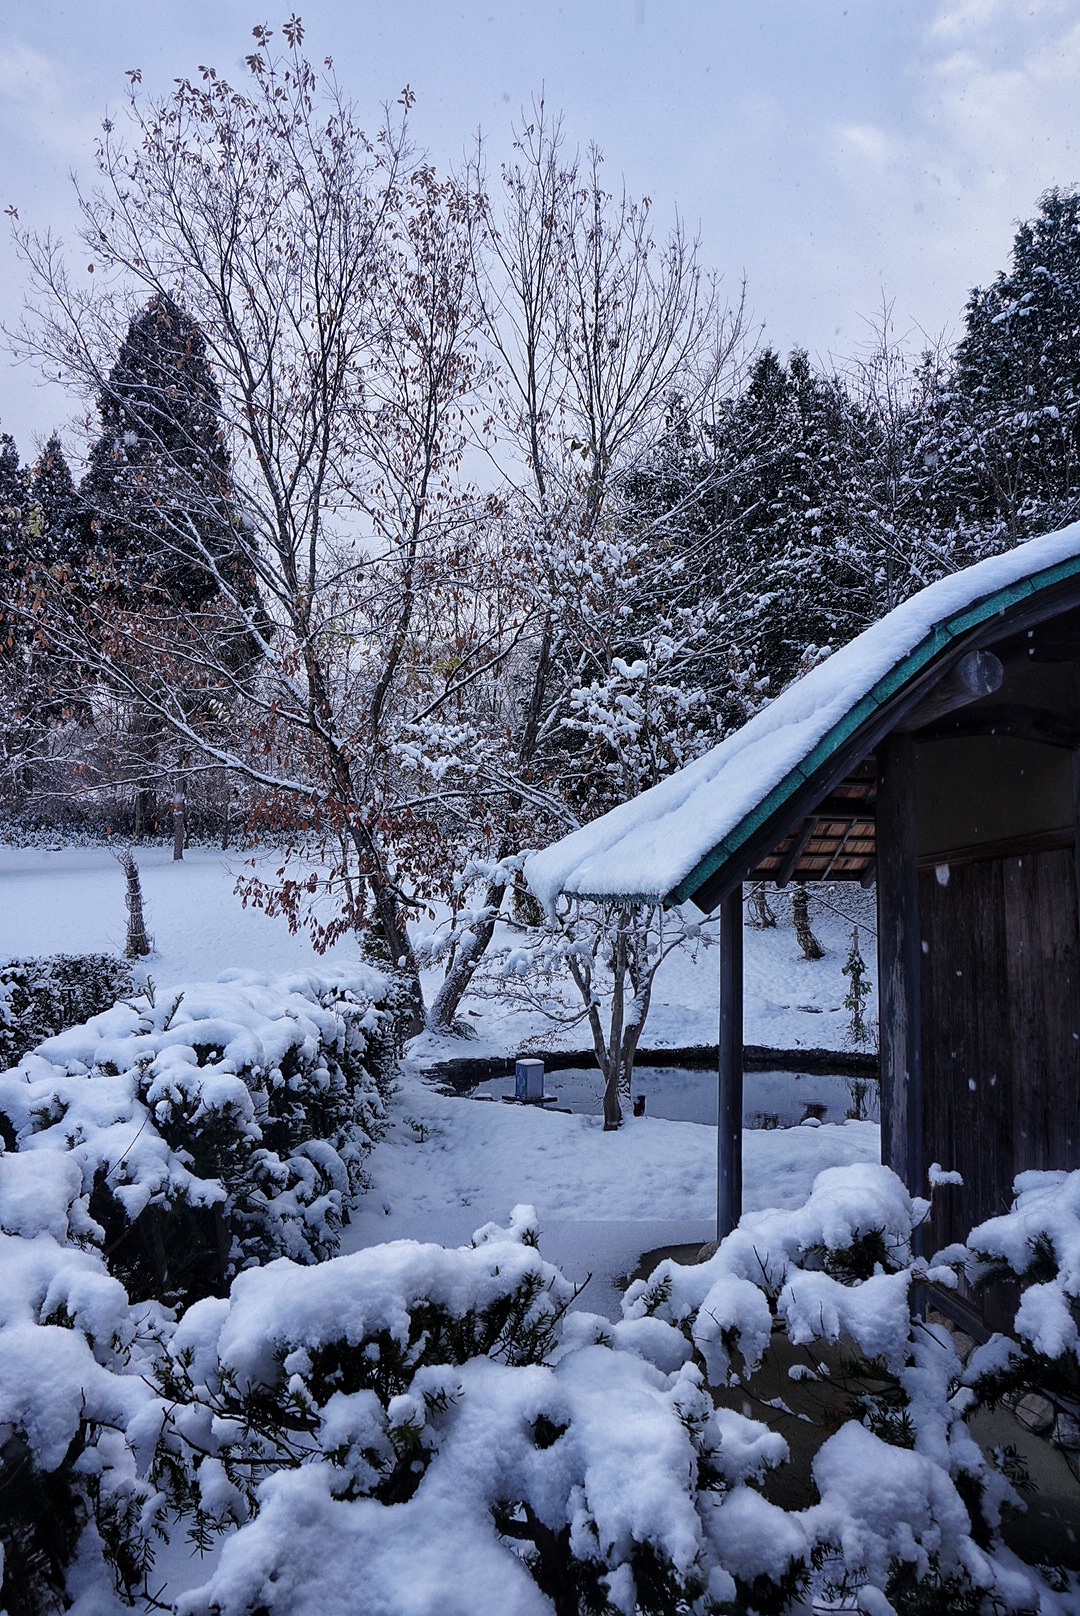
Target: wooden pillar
(899,964)
(730,1067)
(1076,824)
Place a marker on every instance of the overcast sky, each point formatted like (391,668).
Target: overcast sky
(834,152)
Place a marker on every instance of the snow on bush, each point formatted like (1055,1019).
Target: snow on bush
(909,1509)
(224,1126)
(1037,1243)
(417,1431)
(402,1416)
(405,1418)
(39,997)
(78,1420)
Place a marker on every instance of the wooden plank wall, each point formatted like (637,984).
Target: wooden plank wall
(1000,996)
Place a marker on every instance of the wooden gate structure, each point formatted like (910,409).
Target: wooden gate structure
(938,755)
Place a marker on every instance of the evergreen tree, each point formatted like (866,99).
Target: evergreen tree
(774,530)
(53,507)
(160,522)
(158,491)
(12,511)
(1014,418)
(18,730)
(12,501)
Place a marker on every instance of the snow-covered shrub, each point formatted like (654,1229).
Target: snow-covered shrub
(410,1428)
(910,1510)
(78,1420)
(407,1421)
(1037,1244)
(224,1126)
(39,997)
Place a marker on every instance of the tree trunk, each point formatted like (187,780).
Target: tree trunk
(224,811)
(812,949)
(759,913)
(613,1065)
(178,825)
(404,960)
(144,741)
(470,951)
(612,1108)
(394,928)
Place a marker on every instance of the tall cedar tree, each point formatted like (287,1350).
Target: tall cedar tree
(158,491)
(12,640)
(53,535)
(158,503)
(12,501)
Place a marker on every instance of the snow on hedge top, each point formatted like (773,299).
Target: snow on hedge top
(646,847)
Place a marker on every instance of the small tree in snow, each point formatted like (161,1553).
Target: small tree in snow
(858,991)
(611,953)
(138,943)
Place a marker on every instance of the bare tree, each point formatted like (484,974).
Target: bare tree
(598,331)
(330,277)
(391,662)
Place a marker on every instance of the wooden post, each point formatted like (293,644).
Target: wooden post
(138,943)
(729,1092)
(899,964)
(1076,823)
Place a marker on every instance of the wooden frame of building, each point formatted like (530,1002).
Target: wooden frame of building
(950,773)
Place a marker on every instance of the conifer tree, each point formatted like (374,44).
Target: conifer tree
(776,534)
(159,514)
(1014,424)
(54,510)
(12,638)
(158,491)
(12,500)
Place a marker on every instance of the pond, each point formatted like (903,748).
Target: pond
(687,1094)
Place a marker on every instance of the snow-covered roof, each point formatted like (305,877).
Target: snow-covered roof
(664,844)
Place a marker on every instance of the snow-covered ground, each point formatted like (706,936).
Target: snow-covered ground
(72,900)
(448,1164)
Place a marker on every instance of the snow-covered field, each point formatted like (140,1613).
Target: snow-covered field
(449,1165)
(71,900)
(55,900)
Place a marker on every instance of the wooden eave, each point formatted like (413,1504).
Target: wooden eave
(835,842)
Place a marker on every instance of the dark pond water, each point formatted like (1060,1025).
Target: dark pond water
(684,1094)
